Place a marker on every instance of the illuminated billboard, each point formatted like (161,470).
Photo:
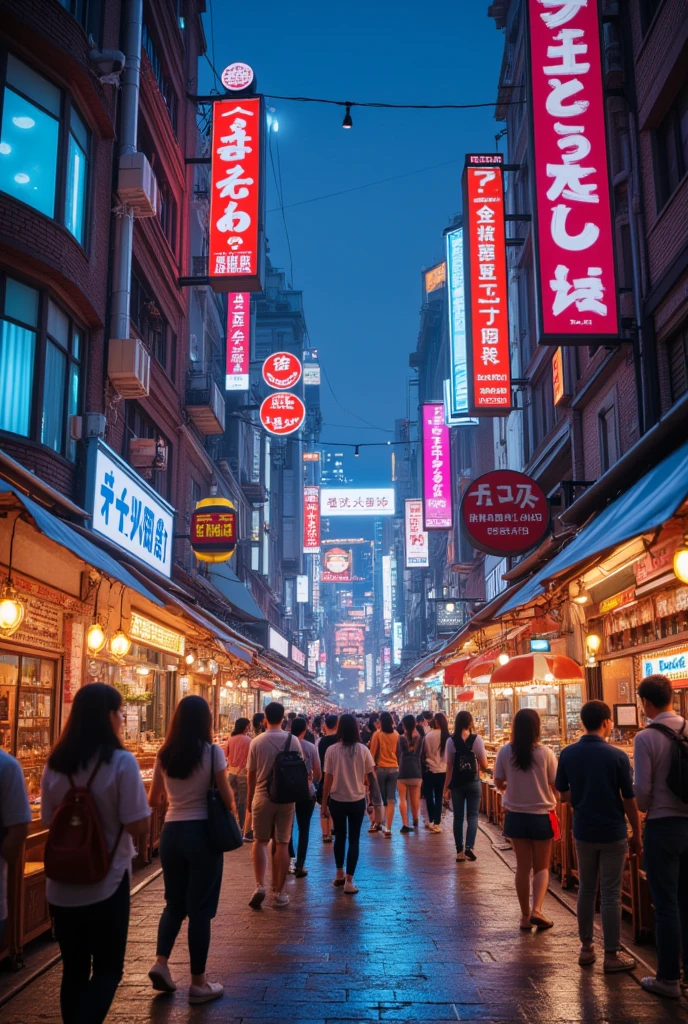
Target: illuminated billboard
(435,277)
(387,592)
(437,497)
(357,501)
(238,341)
(311,521)
(457,323)
(417,555)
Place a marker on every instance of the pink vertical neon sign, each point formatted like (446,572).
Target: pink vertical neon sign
(436,468)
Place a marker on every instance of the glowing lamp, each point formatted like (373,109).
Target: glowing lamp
(593,642)
(11,610)
(95,638)
(681,562)
(190,658)
(549,677)
(582,597)
(120,644)
(503,658)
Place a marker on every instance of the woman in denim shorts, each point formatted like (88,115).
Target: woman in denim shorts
(384,746)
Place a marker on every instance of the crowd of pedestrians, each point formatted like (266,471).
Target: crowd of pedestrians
(274,771)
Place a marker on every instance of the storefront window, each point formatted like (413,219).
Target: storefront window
(27,703)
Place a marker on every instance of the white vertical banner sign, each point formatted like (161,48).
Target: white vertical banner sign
(416,536)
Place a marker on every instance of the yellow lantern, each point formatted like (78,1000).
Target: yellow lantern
(681,562)
(11,610)
(120,644)
(213,530)
(95,638)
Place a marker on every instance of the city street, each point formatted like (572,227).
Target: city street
(426,939)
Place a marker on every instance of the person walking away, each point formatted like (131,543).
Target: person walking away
(270,820)
(92,920)
(370,728)
(434,762)
(192,869)
(525,771)
(660,761)
(348,764)
(317,727)
(258,723)
(15,815)
(421,724)
(596,779)
(258,728)
(384,747)
(236,753)
(410,773)
(303,809)
(465,757)
(327,740)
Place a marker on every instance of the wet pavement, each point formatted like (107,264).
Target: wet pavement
(426,939)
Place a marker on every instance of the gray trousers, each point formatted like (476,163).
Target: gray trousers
(603,861)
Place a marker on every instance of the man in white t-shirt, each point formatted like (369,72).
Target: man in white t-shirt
(270,821)
(15,815)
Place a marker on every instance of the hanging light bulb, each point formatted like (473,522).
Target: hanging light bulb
(681,562)
(347,122)
(582,597)
(593,642)
(357,451)
(11,610)
(449,607)
(190,658)
(120,644)
(503,658)
(95,638)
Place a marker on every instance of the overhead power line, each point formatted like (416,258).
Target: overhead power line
(392,106)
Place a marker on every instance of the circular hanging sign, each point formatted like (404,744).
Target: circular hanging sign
(213,530)
(237,77)
(282,370)
(505,512)
(282,414)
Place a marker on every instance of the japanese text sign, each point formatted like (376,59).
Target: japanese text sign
(128,511)
(311,521)
(234,259)
(575,276)
(357,501)
(505,512)
(238,341)
(488,347)
(558,375)
(282,413)
(282,370)
(213,531)
(457,322)
(416,537)
(435,277)
(436,468)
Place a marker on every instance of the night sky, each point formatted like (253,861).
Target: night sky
(358,256)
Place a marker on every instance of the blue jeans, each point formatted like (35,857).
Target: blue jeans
(665,847)
(467,793)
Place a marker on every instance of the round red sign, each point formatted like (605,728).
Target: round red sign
(505,512)
(282,370)
(282,414)
(237,76)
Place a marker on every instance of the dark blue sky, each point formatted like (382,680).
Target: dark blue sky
(358,256)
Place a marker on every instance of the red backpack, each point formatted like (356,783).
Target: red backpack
(75,851)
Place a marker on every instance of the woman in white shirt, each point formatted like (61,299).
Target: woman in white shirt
(433,755)
(525,771)
(191,867)
(92,921)
(348,763)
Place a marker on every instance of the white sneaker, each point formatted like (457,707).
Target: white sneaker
(351,888)
(161,978)
(292,865)
(668,989)
(205,993)
(281,899)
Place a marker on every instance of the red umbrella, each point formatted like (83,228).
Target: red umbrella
(538,668)
(479,669)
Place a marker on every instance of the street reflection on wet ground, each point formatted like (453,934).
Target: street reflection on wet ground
(426,939)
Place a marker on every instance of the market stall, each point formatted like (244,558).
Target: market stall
(551,684)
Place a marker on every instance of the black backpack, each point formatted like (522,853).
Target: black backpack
(287,782)
(465,764)
(677,779)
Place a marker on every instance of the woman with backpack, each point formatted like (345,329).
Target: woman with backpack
(410,773)
(465,755)
(348,765)
(91,777)
(434,761)
(525,771)
(185,768)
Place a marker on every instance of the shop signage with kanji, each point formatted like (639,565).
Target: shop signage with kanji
(237,76)
(337,566)
(489,378)
(282,413)
(213,530)
(505,512)
(238,341)
(311,520)
(573,229)
(435,277)
(357,501)
(416,537)
(282,370)
(436,468)
(458,390)
(558,375)
(236,195)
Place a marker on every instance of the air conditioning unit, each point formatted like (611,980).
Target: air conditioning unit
(142,451)
(129,367)
(137,186)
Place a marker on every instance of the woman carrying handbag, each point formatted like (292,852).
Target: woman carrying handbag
(196,831)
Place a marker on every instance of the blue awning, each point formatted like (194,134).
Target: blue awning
(64,535)
(228,583)
(644,507)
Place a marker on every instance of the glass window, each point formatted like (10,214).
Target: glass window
(52,427)
(77,170)
(17,355)
(21,302)
(671,148)
(58,325)
(609,447)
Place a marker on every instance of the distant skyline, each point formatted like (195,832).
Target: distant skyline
(358,257)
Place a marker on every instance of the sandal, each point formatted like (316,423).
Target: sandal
(541,922)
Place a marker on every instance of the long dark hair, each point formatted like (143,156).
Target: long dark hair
(409,724)
(443,726)
(525,733)
(190,729)
(88,730)
(347,731)
(240,726)
(464,720)
(386,722)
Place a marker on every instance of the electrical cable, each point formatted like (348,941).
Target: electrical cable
(394,106)
(349,412)
(281,199)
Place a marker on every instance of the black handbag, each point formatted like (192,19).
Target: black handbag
(223,828)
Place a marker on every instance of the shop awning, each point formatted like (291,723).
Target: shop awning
(237,593)
(64,535)
(644,507)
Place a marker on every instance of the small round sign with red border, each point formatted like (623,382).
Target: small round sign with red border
(237,77)
(282,414)
(505,512)
(282,370)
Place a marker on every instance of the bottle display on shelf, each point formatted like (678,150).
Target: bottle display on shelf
(27,715)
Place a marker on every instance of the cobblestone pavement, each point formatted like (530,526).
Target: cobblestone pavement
(425,940)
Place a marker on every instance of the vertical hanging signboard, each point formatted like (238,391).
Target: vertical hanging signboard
(311,520)
(489,378)
(238,341)
(575,275)
(437,497)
